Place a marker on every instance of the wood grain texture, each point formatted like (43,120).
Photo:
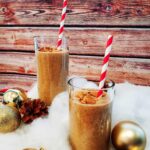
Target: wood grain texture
(14,80)
(89,41)
(23,63)
(120,69)
(80,12)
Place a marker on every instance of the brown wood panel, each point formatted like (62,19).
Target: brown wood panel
(14,80)
(89,41)
(120,69)
(80,12)
(23,63)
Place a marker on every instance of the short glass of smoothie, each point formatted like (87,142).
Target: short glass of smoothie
(90,116)
(52,67)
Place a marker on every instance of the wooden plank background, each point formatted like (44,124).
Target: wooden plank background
(86,41)
(88,24)
(80,12)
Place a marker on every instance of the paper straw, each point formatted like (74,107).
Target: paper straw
(61,28)
(105,65)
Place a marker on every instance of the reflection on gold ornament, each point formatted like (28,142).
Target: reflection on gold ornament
(10,118)
(128,135)
(14,97)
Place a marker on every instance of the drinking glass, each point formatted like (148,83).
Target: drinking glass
(90,124)
(52,67)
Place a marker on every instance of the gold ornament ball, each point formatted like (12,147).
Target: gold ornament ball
(10,118)
(128,135)
(14,97)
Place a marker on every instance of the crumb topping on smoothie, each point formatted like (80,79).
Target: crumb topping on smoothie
(49,49)
(90,97)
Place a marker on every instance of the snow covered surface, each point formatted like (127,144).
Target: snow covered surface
(130,103)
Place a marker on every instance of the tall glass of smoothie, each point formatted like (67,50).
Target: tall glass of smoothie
(90,117)
(52,67)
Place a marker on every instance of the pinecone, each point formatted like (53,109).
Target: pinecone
(32,109)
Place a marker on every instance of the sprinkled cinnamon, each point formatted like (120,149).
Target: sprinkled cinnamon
(48,49)
(88,97)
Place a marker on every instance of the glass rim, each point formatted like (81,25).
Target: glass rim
(49,41)
(103,89)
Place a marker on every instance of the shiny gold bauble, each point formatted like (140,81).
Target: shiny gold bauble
(10,118)
(128,135)
(14,97)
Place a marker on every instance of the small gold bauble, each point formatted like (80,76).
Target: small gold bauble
(10,118)
(128,135)
(14,97)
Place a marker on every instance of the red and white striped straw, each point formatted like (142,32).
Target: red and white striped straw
(61,28)
(105,65)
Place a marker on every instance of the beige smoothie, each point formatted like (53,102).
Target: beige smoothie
(90,120)
(52,71)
